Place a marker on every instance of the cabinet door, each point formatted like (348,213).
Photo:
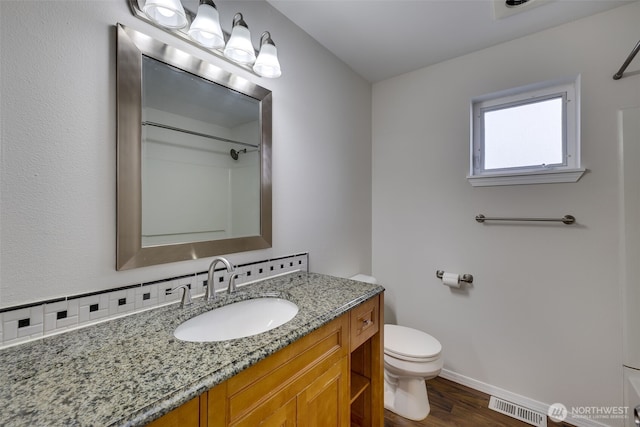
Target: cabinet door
(325,402)
(279,378)
(187,415)
(285,416)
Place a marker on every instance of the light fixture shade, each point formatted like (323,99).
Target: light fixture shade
(239,47)
(267,64)
(205,28)
(168,13)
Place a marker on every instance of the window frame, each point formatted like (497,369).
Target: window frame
(569,170)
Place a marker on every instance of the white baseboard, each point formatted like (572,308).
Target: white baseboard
(514,398)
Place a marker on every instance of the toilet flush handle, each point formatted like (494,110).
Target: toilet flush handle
(636,415)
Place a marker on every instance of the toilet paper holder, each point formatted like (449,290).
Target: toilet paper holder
(466,278)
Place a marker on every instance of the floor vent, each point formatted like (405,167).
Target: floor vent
(518,412)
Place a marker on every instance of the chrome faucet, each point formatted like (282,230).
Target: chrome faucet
(210,294)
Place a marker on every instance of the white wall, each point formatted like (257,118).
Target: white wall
(58,136)
(543,316)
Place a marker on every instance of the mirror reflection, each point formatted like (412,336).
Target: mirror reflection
(200,158)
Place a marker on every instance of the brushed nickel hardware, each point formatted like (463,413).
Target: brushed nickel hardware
(210,294)
(567,219)
(186,295)
(231,288)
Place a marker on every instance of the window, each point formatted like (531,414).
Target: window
(527,135)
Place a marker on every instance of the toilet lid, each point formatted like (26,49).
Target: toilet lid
(401,341)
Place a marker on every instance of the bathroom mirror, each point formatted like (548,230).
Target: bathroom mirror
(194,157)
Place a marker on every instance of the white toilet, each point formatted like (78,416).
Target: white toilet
(410,358)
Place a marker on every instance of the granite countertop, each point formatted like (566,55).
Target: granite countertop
(130,371)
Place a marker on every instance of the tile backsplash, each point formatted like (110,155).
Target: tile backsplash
(39,319)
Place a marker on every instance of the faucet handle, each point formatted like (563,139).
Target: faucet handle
(232,282)
(186,295)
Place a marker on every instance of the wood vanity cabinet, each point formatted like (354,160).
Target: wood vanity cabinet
(331,377)
(188,415)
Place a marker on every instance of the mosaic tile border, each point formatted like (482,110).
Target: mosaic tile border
(27,322)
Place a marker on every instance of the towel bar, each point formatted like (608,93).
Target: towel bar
(567,219)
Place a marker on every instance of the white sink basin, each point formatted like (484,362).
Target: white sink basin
(237,320)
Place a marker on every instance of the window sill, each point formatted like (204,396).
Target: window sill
(522,178)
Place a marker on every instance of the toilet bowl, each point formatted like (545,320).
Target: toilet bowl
(410,358)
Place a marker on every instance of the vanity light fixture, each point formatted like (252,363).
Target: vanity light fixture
(267,64)
(203,29)
(239,47)
(168,13)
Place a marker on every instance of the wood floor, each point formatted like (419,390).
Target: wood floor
(453,404)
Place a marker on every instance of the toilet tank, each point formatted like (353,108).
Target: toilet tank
(364,278)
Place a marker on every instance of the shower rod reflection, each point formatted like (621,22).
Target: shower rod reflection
(567,219)
(203,135)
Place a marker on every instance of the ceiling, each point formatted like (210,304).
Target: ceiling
(380,39)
